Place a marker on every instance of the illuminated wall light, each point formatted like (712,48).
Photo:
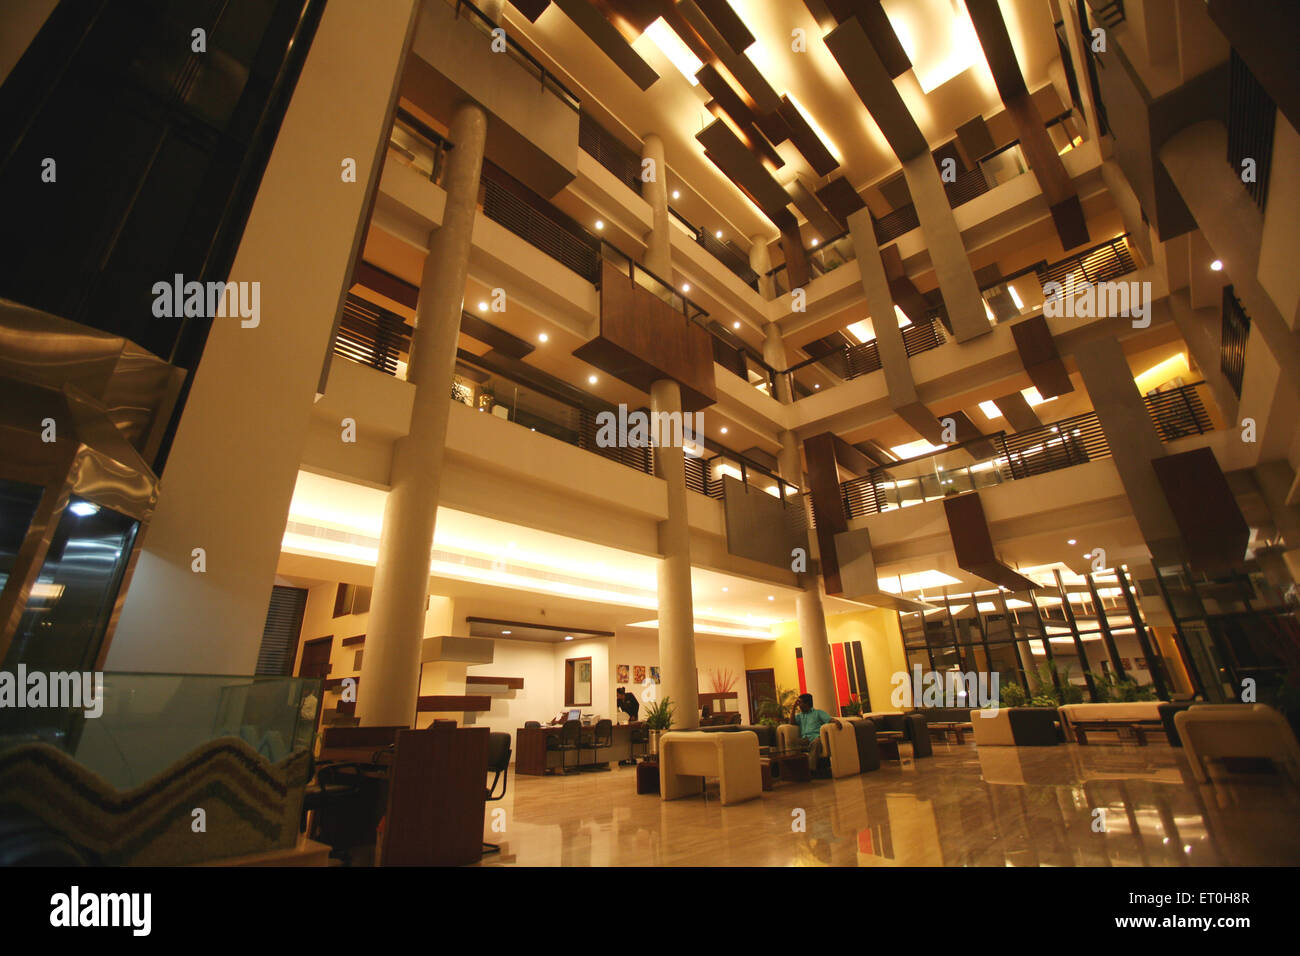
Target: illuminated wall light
(1015,297)
(1217,265)
(677,52)
(543,337)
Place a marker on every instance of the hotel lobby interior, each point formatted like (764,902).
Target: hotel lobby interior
(650,433)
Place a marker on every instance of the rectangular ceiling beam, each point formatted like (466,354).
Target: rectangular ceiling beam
(612,43)
(870,79)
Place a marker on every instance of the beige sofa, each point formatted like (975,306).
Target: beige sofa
(686,757)
(841,744)
(1015,727)
(1213,731)
(1121,711)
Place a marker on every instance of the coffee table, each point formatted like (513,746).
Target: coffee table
(888,741)
(956,729)
(790,766)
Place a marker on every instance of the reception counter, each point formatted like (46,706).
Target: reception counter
(532,756)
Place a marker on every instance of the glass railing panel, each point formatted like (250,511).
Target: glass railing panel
(147,722)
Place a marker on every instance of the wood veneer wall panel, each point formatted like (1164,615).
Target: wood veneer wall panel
(643,339)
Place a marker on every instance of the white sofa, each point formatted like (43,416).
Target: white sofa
(685,758)
(1120,711)
(841,744)
(1212,731)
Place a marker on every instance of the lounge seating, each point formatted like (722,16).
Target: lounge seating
(1015,727)
(841,744)
(686,757)
(868,748)
(912,725)
(1139,716)
(767,734)
(1216,731)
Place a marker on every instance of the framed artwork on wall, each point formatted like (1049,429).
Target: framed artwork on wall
(654,674)
(638,674)
(621,674)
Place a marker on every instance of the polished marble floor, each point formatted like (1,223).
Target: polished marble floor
(995,806)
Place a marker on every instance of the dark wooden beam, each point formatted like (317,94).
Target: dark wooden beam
(870,79)
(728,23)
(841,200)
(806,139)
(1040,358)
(973,546)
(612,43)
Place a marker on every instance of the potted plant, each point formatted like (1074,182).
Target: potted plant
(658,718)
(772,711)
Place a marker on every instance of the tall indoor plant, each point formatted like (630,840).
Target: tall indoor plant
(658,718)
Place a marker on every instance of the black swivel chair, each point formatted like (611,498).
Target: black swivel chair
(498,764)
(570,740)
(532,725)
(349,800)
(601,736)
(638,733)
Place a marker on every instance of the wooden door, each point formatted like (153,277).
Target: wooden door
(316,658)
(760,685)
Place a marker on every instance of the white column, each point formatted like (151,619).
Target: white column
(676,607)
(658,249)
(816,645)
(391,665)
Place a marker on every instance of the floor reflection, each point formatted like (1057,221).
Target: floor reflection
(1100,805)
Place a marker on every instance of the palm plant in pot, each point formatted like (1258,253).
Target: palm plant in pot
(658,718)
(773,710)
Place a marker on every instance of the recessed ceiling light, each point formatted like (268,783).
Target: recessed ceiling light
(816,385)
(506,632)
(482,306)
(83,509)
(814,242)
(591,380)
(1071,541)
(1088,554)
(724,429)
(676,194)
(600,223)
(568,637)
(686,287)
(718,234)
(771,597)
(735,325)
(725,589)
(543,337)
(1217,265)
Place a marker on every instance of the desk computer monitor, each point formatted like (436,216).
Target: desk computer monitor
(574,714)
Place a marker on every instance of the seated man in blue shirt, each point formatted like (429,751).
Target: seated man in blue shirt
(809,720)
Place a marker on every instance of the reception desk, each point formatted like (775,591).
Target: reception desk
(532,756)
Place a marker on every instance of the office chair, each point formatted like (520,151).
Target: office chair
(601,736)
(638,733)
(498,764)
(570,739)
(532,725)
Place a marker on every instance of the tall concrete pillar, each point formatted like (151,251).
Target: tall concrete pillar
(816,645)
(658,254)
(676,607)
(390,669)
(774,354)
(760,260)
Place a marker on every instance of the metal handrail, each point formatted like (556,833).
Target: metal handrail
(549,79)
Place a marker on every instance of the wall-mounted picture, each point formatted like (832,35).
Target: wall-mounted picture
(1125,662)
(1140,662)
(621,672)
(638,674)
(654,674)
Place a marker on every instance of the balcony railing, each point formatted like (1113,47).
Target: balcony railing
(729,257)
(1102,262)
(373,336)
(1251,118)
(516,52)
(853,361)
(419,145)
(511,205)
(1001,457)
(1235,333)
(610,152)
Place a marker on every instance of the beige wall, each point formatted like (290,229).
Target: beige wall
(632,648)
(882,652)
(231,473)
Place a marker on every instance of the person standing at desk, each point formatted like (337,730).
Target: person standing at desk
(627,703)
